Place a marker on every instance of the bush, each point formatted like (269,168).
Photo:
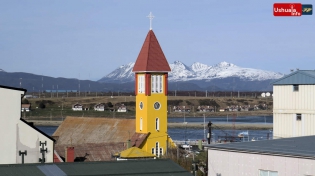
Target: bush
(25,101)
(42,105)
(110,105)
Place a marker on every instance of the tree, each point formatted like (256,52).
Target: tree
(109,104)
(25,101)
(42,105)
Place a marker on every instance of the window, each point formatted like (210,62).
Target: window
(141,124)
(298,117)
(161,151)
(267,173)
(295,88)
(152,151)
(157,84)
(157,125)
(157,148)
(141,84)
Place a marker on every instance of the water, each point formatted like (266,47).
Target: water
(192,134)
(227,119)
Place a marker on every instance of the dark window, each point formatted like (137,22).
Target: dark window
(299,117)
(295,88)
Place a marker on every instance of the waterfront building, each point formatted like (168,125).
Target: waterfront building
(294,105)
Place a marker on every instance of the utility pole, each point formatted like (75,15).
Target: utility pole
(42,150)
(22,153)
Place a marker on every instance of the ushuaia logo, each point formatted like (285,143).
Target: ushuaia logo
(287,9)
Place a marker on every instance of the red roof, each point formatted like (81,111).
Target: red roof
(151,56)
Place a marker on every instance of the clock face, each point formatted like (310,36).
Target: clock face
(157,105)
(141,105)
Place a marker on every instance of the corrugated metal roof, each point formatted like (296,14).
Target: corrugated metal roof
(295,147)
(51,170)
(92,152)
(84,130)
(158,167)
(135,152)
(151,56)
(298,77)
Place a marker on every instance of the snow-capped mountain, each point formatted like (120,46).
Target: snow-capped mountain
(1,70)
(197,71)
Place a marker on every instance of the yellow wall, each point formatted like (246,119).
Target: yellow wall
(149,115)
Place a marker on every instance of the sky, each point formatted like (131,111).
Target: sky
(89,39)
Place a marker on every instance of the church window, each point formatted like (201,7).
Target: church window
(141,84)
(141,124)
(161,151)
(152,151)
(157,84)
(157,148)
(157,124)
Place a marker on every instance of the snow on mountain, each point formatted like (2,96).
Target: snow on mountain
(1,70)
(123,73)
(198,71)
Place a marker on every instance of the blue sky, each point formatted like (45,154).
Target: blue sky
(88,39)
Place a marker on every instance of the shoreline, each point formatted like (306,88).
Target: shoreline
(244,126)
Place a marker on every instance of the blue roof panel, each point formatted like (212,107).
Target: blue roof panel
(298,77)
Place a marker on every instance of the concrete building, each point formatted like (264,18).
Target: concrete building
(289,157)
(19,136)
(294,104)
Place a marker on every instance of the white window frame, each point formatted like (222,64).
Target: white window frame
(141,84)
(161,83)
(153,151)
(296,87)
(157,147)
(268,172)
(161,151)
(141,124)
(157,124)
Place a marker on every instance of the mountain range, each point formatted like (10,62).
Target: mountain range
(197,77)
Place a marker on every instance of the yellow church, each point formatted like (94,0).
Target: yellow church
(151,81)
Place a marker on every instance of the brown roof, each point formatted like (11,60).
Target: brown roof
(138,138)
(26,105)
(92,151)
(151,56)
(81,130)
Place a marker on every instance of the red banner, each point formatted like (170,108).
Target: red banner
(287,9)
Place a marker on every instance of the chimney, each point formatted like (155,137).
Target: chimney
(69,154)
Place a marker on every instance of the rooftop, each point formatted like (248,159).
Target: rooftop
(300,147)
(157,167)
(151,57)
(297,77)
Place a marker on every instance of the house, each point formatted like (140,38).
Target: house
(77,107)
(99,107)
(287,156)
(294,104)
(122,108)
(161,167)
(181,109)
(94,139)
(26,107)
(205,109)
(21,141)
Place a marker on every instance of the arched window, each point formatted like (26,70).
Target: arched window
(157,149)
(157,124)
(141,124)
(153,151)
(161,151)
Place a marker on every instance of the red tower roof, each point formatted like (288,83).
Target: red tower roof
(151,57)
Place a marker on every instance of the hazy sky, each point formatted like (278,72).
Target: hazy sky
(88,39)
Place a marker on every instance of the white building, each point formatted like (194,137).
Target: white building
(17,135)
(263,158)
(77,107)
(294,104)
(26,107)
(122,108)
(99,107)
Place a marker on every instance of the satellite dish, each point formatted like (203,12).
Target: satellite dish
(267,94)
(263,94)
